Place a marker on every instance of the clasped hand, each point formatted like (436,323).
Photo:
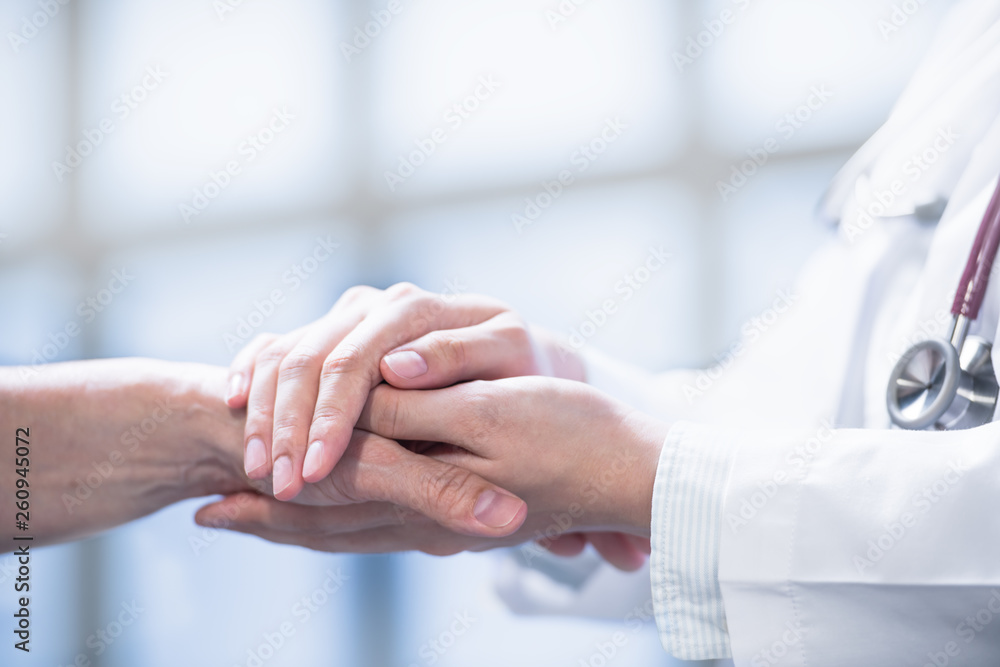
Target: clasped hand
(480,454)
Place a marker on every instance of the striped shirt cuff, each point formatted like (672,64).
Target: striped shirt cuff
(686,533)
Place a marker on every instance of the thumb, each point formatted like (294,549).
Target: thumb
(497,348)
(382,470)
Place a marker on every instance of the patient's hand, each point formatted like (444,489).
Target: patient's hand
(113,440)
(305,390)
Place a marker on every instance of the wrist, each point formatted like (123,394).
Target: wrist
(210,434)
(643,438)
(170,429)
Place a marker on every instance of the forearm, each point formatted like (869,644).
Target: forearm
(115,440)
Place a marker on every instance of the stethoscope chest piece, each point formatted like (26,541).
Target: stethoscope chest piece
(948,383)
(932,387)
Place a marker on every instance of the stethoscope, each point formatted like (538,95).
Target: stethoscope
(949,383)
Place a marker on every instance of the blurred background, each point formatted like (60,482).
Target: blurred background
(208,148)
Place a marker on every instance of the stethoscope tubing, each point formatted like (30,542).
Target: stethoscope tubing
(948,371)
(975,277)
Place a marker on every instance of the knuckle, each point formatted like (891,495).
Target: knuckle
(364,467)
(516,336)
(272,355)
(448,489)
(354,294)
(385,419)
(298,363)
(451,349)
(515,330)
(496,306)
(483,414)
(259,423)
(327,417)
(285,429)
(345,360)
(402,290)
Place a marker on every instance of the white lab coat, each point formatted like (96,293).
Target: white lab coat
(856,545)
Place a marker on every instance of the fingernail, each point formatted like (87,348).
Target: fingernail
(314,457)
(496,510)
(235,387)
(406,364)
(256,455)
(282,474)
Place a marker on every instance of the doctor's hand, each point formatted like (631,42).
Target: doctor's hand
(305,390)
(582,462)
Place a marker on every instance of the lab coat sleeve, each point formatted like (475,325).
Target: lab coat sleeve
(832,547)
(685,538)
(687,499)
